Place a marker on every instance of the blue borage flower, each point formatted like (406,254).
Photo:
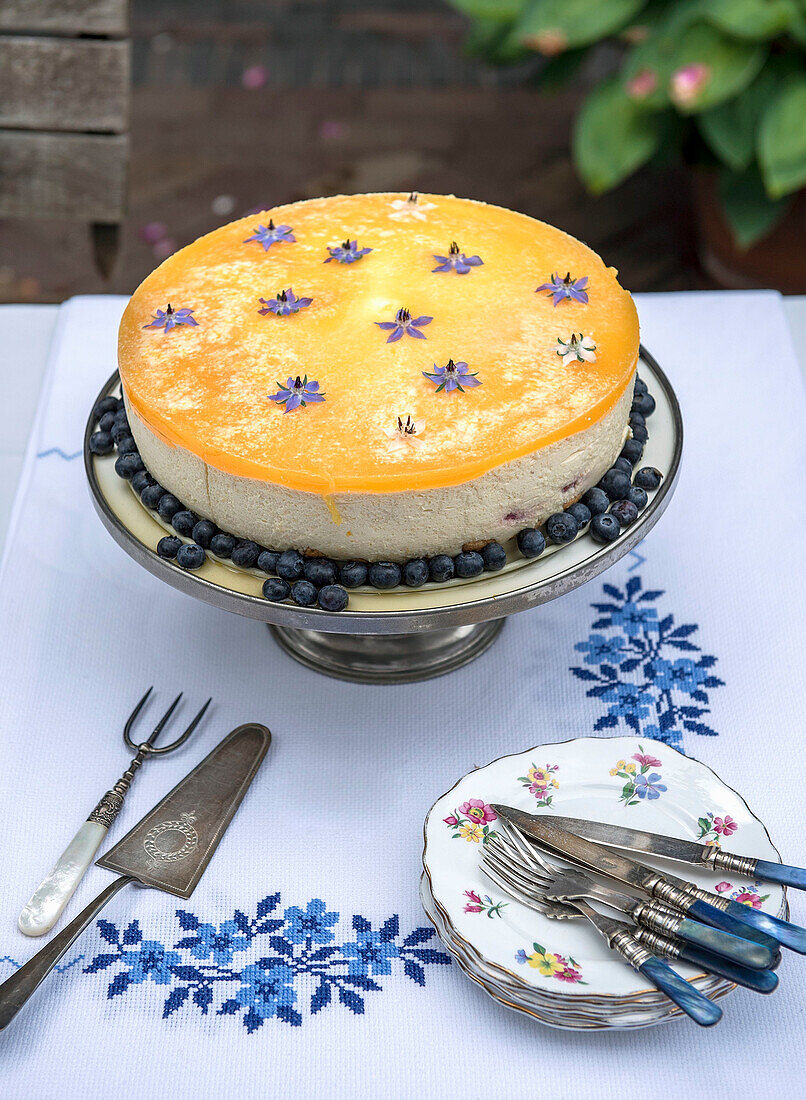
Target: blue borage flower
(270,234)
(296,393)
(170,318)
(347,253)
(404,324)
(284,965)
(457,261)
(283,303)
(453,376)
(567,289)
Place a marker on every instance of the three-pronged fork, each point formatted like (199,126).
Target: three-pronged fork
(49,899)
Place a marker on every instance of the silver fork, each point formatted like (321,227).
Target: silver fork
(517,882)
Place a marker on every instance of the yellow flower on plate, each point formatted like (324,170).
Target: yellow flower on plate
(620,763)
(471,832)
(630,768)
(547,964)
(614,771)
(554,783)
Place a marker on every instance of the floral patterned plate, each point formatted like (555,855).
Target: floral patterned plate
(617,780)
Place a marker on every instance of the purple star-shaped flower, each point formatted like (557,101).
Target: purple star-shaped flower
(566,289)
(457,261)
(296,393)
(404,323)
(284,303)
(169,318)
(453,376)
(270,234)
(346,253)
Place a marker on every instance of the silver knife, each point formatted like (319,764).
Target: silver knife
(684,851)
(168,849)
(709,908)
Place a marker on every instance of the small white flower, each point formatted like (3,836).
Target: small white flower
(405,434)
(411,208)
(576,349)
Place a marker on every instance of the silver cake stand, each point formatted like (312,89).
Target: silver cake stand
(408,633)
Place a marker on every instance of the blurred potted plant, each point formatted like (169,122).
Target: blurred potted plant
(719,83)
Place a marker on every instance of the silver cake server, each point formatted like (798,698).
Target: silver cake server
(168,849)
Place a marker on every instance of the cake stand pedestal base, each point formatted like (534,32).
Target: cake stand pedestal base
(388,658)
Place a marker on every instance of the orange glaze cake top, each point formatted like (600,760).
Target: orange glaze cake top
(207,387)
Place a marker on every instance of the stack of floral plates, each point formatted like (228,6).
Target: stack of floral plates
(560,971)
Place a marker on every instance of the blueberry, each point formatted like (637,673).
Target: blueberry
(623,464)
(616,484)
(648,478)
(531,542)
(639,432)
(106,422)
(222,545)
(596,501)
(141,480)
(638,497)
(640,385)
(169,546)
(333,598)
(415,572)
(353,573)
(468,564)
(625,512)
(169,506)
(494,557)
(128,465)
(637,418)
(320,571)
(441,568)
(152,495)
(290,565)
(183,523)
(304,593)
(562,527)
(127,446)
(581,513)
(120,429)
(384,574)
(631,453)
(276,589)
(644,403)
(190,556)
(203,533)
(605,528)
(245,553)
(101,443)
(104,406)
(267,560)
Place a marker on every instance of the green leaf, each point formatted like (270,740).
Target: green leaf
(753,19)
(782,140)
(499,11)
(748,209)
(613,136)
(570,23)
(730,65)
(493,42)
(731,128)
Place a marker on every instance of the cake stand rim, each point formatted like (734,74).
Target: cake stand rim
(463,612)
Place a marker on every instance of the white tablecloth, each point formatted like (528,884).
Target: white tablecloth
(330,833)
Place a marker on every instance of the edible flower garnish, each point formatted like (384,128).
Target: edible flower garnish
(566,289)
(453,376)
(296,393)
(346,253)
(404,323)
(576,349)
(411,208)
(457,261)
(270,234)
(405,433)
(169,318)
(285,302)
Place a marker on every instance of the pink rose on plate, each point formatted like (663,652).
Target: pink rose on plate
(647,761)
(725,825)
(747,897)
(477,810)
(451,820)
(721,887)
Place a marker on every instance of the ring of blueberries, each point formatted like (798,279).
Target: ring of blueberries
(309,580)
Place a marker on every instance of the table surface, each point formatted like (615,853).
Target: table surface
(25,337)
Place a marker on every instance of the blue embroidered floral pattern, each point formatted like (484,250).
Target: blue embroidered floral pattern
(262,967)
(647,671)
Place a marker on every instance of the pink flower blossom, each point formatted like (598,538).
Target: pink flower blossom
(254,77)
(687,83)
(721,887)
(569,975)
(451,820)
(477,810)
(642,84)
(647,761)
(725,825)
(474,904)
(747,897)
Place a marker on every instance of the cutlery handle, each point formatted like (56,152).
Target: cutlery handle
(761,981)
(53,893)
(720,918)
(787,934)
(745,953)
(781,873)
(16,990)
(695,1004)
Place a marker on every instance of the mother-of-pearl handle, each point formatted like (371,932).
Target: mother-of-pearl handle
(56,889)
